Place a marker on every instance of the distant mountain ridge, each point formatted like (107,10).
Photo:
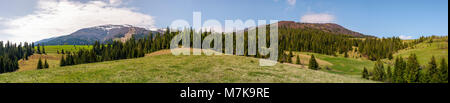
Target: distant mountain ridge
(105,33)
(101,33)
(326,27)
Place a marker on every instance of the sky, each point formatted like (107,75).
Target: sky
(33,20)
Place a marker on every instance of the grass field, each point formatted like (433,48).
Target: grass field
(53,60)
(165,68)
(339,65)
(425,50)
(54,48)
(52,57)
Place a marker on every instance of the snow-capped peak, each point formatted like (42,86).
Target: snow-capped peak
(110,27)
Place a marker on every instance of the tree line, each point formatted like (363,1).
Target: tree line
(11,53)
(409,71)
(116,50)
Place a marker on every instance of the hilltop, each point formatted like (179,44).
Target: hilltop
(325,27)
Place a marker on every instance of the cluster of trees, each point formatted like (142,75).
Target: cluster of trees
(38,49)
(11,53)
(42,66)
(319,41)
(410,71)
(376,49)
(313,40)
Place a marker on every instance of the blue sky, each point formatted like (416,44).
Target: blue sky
(381,18)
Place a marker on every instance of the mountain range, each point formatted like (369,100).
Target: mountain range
(101,33)
(105,33)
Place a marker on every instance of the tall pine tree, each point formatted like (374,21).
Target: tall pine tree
(46,64)
(313,63)
(433,73)
(413,69)
(378,73)
(39,65)
(443,71)
(365,74)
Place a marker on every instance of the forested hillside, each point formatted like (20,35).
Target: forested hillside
(11,53)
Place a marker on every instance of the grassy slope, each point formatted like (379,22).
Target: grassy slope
(52,57)
(178,69)
(339,65)
(425,50)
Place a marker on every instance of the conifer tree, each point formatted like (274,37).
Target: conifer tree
(443,71)
(379,73)
(433,72)
(63,61)
(389,75)
(39,65)
(43,50)
(39,48)
(313,63)
(399,71)
(413,69)
(46,64)
(365,74)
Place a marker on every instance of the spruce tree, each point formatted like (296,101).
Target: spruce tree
(62,62)
(39,48)
(379,73)
(43,49)
(389,75)
(443,71)
(46,64)
(39,65)
(413,69)
(365,74)
(313,63)
(433,72)
(399,70)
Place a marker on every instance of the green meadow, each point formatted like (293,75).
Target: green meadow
(166,68)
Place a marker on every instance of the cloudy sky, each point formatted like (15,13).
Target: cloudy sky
(33,20)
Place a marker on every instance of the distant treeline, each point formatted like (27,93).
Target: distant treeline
(11,53)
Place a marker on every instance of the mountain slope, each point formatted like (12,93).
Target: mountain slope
(166,68)
(99,33)
(326,27)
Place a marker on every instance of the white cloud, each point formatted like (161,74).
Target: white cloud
(404,37)
(61,17)
(318,18)
(292,2)
(115,2)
